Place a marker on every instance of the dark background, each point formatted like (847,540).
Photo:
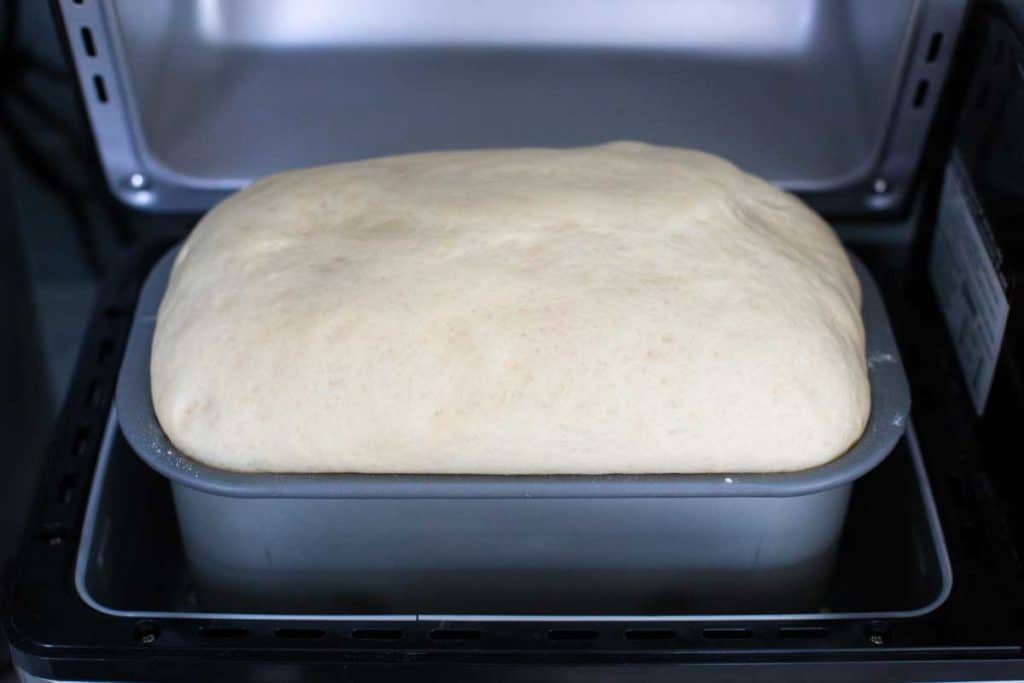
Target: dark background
(60,232)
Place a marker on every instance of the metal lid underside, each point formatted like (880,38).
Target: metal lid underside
(199,97)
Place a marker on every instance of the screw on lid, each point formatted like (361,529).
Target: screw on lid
(137,181)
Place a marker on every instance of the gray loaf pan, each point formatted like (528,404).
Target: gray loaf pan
(316,542)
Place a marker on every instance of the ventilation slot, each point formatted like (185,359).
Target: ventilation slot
(920,94)
(571,634)
(455,634)
(650,634)
(376,634)
(146,632)
(65,488)
(803,632)
(101,89)
(299,633)
(106,350)
(727,633)
(878,633)
(80,445)
(53,533)
(223,632)
(88,43)
(934,46)
(94,394)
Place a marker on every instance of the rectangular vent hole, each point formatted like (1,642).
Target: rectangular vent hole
(223,632)
(727,633)
(650,634)
(455,634)
(299,633)
(66,487)
(920,93)
(571,634)
(803,632)
(94,394)
(88,43)
(53,533)
(376,634)
(106,352)
(934,46)
(81,443)
(101,89)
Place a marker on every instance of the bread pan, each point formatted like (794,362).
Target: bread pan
(295,540)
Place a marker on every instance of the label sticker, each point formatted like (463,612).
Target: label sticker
(967,285)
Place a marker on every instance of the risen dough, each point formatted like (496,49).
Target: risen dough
(622,308)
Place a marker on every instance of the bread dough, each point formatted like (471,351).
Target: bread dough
(624,308)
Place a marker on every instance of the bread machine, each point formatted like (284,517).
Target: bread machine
(898,120)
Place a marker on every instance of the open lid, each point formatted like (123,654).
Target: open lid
(192,99)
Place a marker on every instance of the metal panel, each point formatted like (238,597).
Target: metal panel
(206,95)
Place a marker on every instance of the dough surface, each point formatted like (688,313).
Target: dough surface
(623,308)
